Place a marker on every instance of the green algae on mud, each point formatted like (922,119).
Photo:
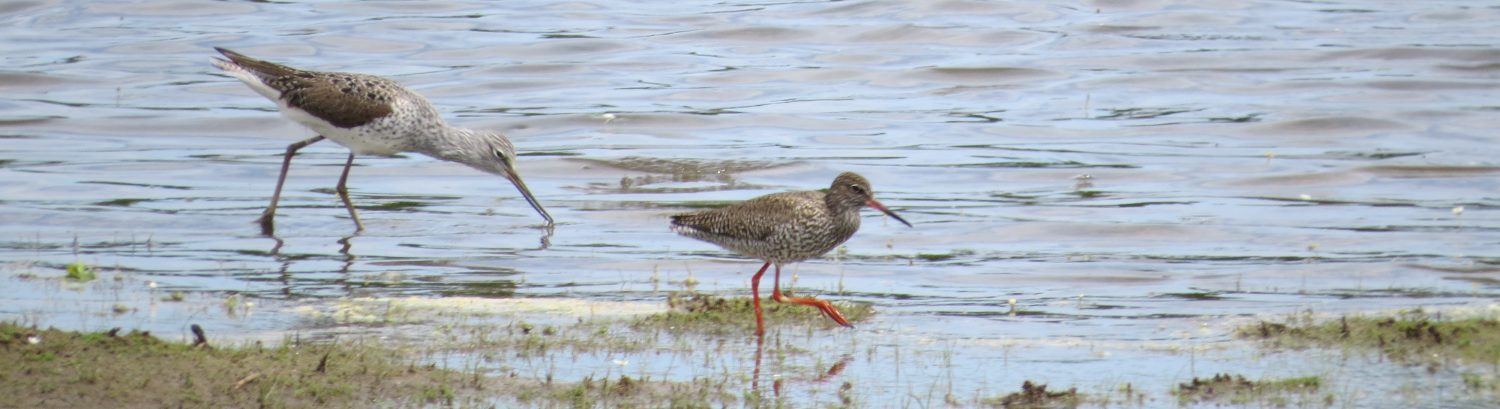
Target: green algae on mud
(696,312)
(936,257)
(1236,390)
(81,272)
(1413,336)
(1034,395)
(65,369)
(53,368)
(1194,296)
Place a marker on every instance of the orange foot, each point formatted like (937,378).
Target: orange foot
(824,306)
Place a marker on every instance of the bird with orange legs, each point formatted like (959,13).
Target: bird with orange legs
(788,227)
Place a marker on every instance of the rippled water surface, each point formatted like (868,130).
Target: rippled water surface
(1140,176)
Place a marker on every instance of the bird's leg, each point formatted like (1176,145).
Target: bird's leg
(760,323)
(760,347)
(824,306)
(344,194)
(267,218)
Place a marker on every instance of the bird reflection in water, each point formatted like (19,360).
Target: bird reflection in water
(778,381)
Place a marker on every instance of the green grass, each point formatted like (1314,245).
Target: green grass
(1196,296)
(136,370)
(81,272)
(1413,336)
(1236,390)
(944,256)
(693,312)
(1477,382)
(111,369)
(395,205)
(1034,395)
(935,257)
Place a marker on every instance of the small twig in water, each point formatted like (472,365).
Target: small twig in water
(245,380)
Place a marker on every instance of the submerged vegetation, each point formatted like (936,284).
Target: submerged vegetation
(1034,395)
(496,361)
(1194,296)
(501,352)
(81,272)
(1468,346)
(1413,336)
(53,368)
(696,312)
(1235,389)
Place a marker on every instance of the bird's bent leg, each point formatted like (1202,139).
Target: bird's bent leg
(267,218)
(344,194)
(824,306)
(760,323)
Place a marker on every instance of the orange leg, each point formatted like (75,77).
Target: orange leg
(824,306)
(760,323)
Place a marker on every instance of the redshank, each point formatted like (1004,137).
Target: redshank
(368,115)
(783,228)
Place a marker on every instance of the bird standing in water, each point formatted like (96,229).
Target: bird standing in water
(368,115)
(788,227)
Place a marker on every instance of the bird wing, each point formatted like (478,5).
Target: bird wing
(343,99)
(754,220)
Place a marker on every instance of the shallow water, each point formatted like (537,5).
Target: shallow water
(1099,162)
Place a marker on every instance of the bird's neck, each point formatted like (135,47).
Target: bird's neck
(449,143)
(840,206)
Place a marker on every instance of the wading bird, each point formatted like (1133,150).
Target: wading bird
(368,115)
(788,227)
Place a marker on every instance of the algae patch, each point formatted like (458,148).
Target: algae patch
(404,310)
(81,272)
(1033,395)
(1235,389)
(53,368)
(710,314)
(1413,336)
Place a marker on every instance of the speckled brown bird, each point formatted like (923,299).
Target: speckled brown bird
(368,115)
(784,228)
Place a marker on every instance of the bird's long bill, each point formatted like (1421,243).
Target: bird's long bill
(888,212)
(530,199)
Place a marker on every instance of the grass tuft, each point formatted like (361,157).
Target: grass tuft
(1034,395)
(136,369)
(695,312)
(81,272)
(1411,337)
(1236,390)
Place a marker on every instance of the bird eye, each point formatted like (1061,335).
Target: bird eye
(857,189)
(499,154)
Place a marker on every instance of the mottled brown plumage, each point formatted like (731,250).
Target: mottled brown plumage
(345,100)
(368,115)
(785,228)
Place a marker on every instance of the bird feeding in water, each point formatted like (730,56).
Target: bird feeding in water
(783,228)
(368,115)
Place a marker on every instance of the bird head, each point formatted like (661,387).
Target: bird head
(493,153)
(852,190)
